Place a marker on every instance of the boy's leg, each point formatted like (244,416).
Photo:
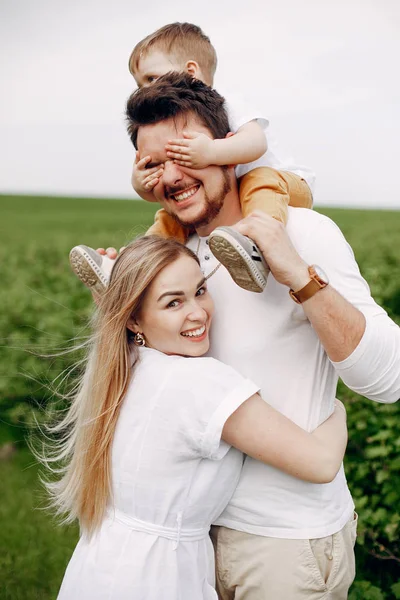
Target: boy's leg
(262,189)
(271,191)
(300,195)
(94,270)
(165,226)
(250,567)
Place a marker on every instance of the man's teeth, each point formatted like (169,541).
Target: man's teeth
(185,195)
(195,332)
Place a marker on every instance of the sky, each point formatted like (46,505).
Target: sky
(325,73)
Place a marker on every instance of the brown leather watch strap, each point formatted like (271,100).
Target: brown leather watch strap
(306,292)
(312,287)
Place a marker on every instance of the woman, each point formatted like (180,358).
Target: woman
(153,440)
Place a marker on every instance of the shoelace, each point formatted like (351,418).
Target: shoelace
(214,270)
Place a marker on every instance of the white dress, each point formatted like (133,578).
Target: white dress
(172,476)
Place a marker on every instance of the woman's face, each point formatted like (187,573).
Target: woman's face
(176,313)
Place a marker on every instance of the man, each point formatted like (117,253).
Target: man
(279,538)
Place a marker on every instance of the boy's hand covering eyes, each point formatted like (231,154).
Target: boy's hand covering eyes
(144,180)
(196,150)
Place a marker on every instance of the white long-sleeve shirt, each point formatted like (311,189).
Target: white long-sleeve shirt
(268,339)
(377,355)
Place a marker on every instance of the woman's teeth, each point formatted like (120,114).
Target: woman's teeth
(186,194)
(195,332)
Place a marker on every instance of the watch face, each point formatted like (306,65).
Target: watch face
(321,274)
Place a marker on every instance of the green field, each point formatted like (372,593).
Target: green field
(44,307)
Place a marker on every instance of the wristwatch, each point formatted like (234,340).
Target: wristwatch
(319,280)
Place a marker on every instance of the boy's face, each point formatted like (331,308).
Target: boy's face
(153,65)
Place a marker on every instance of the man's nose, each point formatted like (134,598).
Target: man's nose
(172,174)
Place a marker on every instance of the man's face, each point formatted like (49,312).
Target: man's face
(193,197)
(153,65)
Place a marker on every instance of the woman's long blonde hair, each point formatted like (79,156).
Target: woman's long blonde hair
(86,433)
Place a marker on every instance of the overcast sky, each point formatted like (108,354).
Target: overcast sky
(325,72)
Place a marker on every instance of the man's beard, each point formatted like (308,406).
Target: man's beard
(213,204)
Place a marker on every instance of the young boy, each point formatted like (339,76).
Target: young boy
(265,182)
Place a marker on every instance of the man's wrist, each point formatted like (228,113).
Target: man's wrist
(300,278)
(318,281)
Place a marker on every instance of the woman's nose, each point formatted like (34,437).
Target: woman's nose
(196,312)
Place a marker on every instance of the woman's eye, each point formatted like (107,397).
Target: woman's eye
(173,304)
(201,291)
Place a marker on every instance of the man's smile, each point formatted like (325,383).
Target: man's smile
(183,197)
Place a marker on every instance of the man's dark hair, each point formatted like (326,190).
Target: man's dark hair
(173,95)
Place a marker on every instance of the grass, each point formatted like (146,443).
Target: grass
(34,551)
(43,306)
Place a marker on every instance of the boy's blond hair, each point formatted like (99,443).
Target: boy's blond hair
(184,41)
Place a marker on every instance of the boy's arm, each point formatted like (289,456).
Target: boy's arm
(247,144)
(197,150)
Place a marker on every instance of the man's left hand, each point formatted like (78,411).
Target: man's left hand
(270,235)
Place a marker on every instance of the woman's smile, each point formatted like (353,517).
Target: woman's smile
(177,310)
(196,335)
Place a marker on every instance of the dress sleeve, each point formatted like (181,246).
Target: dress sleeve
(207,393)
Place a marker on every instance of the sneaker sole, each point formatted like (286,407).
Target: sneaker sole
(236,260)
(87,270)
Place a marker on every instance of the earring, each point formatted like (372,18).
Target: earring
(139,339)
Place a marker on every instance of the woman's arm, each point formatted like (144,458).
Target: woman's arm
(265,434)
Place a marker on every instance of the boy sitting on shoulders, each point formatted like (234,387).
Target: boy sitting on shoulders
(265,182)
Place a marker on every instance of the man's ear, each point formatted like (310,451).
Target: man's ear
(192,67)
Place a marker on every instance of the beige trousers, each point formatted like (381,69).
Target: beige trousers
(252,567)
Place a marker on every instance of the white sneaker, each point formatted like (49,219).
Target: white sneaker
(241,257)
(91,268)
